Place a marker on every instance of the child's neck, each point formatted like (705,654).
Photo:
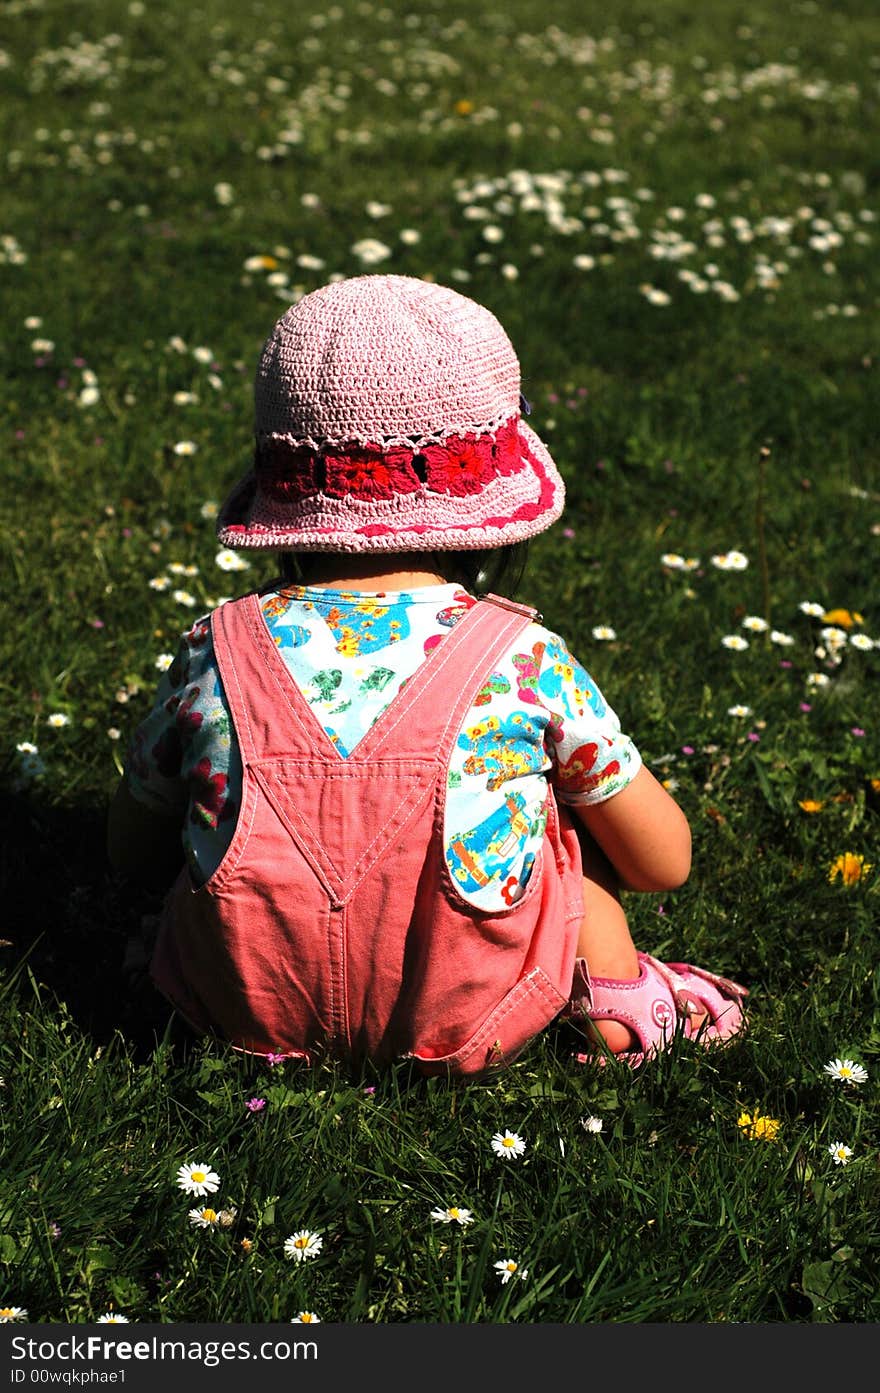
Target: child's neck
(367,573)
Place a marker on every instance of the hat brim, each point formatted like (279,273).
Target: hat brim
(510,508)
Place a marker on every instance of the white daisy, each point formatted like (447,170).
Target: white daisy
(11,1313)
(810,607)
(604,633)
(508,1145)
(159,582)
(453,1215)
(306,1318)
(302,1245)
(112,1318)
(202,354)
(846,1070)
(784,640)
(755,624)
(839,1153)
(818,679)
(862,642)
(230,560)
(185,447)
(183,597)
(674,561)
(164,661)
(197,1178)
(739,710)
(735,641)
(730,561)
(204,1218)
(369,251)
(57,720)
(592,1124)
(507,1268)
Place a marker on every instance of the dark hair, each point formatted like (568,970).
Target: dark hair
(480,571)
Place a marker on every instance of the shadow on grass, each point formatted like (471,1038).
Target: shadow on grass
(72,925)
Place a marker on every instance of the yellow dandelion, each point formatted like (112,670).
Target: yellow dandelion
(464,107)
(844,618)
(850,867)
(757,1127)
(812,805)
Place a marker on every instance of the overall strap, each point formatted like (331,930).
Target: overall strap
(428,712)
(272,717)
(268,711)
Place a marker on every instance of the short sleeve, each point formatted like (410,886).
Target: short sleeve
(592,758)
(154,766)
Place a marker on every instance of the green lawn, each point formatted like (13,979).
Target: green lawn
(673,209)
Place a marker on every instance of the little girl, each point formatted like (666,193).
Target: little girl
(403,808)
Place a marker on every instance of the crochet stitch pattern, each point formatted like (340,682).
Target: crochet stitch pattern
(387,417)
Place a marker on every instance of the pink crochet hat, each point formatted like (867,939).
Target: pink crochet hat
(388,419)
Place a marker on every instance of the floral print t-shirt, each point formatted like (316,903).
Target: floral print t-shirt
(539,717)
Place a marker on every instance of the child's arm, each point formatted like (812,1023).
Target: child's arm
(644,834)
(142,843)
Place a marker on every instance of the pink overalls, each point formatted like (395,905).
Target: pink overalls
(332,922)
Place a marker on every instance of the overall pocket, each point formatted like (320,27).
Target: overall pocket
(526,1010)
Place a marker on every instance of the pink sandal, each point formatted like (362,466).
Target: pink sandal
(659,1004)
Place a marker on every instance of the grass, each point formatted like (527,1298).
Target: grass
(743,148)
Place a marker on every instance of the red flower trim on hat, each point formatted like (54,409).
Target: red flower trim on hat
(461,465)
(525,513)
(370,473)
(507,451)
(287,471)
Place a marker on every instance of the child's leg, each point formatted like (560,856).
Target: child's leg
(604,941)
